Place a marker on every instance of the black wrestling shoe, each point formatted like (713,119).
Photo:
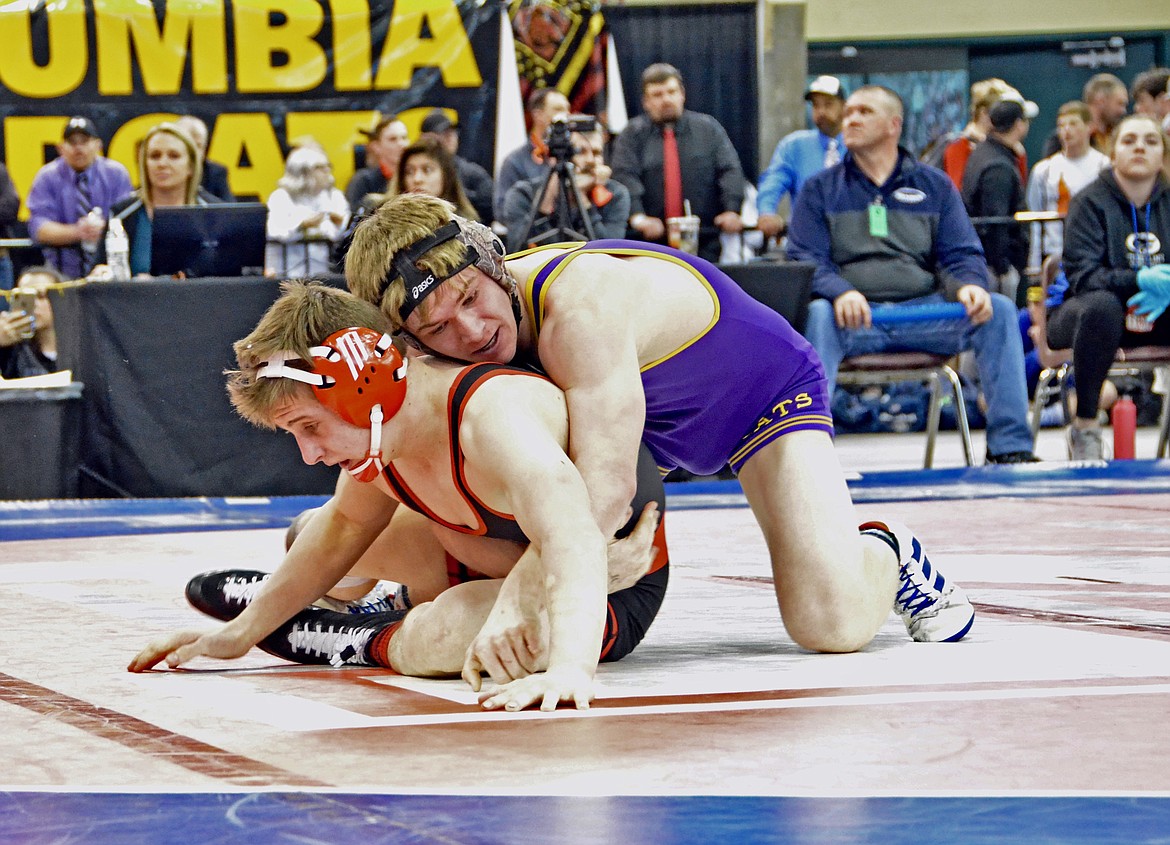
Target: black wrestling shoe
(1013,458)
(224,593)
(319,637)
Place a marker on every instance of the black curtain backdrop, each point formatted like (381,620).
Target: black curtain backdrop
(714,49)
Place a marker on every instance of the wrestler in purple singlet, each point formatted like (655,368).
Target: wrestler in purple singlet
(735,387)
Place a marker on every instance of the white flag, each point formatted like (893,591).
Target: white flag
(510,131)
(615,106)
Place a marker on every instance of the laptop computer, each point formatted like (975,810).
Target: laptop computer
(220,239)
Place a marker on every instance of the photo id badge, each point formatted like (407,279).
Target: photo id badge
(878,227)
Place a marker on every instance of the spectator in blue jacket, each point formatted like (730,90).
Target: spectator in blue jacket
(802,153)
(883,228)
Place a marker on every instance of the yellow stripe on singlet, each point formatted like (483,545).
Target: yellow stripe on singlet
(778,427)
(537,308)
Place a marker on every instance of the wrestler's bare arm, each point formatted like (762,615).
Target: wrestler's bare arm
(324,551)
(513,451)
(589,346)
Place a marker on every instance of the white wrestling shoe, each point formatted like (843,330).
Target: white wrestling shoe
(934,611)
(386,595)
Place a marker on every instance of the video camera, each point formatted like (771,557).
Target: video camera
(558,138)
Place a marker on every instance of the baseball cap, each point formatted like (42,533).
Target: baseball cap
(830,85)
(80,124)
(437,122)
(1011,107)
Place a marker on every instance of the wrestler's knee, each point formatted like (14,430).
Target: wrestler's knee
(827,626)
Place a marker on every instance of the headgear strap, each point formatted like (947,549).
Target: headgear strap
(419,284)
(483,249)
(358,373)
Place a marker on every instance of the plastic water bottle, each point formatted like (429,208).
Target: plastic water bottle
(118,250)
(95,217)
(1124,428)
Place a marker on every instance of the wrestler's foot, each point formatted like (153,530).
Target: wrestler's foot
(326,638)
(933,610)
(224,593)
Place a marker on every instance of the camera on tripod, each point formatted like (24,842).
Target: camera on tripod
(558,139)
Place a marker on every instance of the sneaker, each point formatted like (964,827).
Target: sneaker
(319,637)
(224,593)
(1012,458)
(385,596)
(1085,444)
(933,610)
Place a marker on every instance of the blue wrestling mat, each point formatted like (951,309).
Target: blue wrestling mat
(31,818)
(33,520)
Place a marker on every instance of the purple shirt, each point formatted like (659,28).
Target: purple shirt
(53,198)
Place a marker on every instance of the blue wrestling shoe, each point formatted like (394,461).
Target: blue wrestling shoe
(933,610)
(224,593)
(319,637)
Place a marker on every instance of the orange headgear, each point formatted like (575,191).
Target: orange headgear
(359,374)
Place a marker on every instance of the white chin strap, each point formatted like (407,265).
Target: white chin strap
(371,467)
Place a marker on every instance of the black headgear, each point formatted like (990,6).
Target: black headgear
(483,249)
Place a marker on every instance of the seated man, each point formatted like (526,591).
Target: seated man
(478,450)
(653,345)
(882,228)
(606,201)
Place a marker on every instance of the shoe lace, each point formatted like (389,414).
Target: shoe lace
(343,644)
(378,600)
(241,590)
(914,593)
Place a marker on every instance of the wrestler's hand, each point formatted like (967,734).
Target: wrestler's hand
(505,652)
(549,688)
(630,557)
(182,646)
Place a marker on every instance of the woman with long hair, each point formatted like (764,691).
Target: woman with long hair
(427,167)
(170,166)
(1115,257)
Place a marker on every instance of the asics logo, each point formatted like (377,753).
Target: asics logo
(422,287)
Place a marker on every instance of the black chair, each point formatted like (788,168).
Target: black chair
(784,286)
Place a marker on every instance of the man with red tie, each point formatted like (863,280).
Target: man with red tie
(670,158)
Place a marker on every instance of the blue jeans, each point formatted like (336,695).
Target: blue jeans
(999,355)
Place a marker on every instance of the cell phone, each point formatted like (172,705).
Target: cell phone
(25,299)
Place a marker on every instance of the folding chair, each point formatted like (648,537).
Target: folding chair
(1057,363)
(885,367)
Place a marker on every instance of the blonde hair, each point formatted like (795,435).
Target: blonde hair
(305,314)
(393,226)
(194,157)
(986,93)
